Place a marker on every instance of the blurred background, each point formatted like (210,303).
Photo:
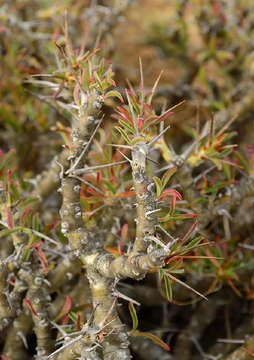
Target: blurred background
(205,51)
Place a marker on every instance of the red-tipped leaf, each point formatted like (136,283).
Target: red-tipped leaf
(170,192)
(30,306)
(66,307)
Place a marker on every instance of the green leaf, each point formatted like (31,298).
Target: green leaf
(127,126)
(99,81)
(85,78)
(133,101)
(110,187)
(193,243)
(15,191)
(8,232)
(167,176)
(160,271)
(179,217)
(133,316)
(7,159)
(101,67)
(26,202)
(114,93)
(177,271)
(26,255)
(73,316)
(123,133)
(201,201)
(66,308)
(202,73)
(158,184)
(223,154)
(36,222)
(226,170)
(82,307)
(168,288)
(63,239)
(242,161)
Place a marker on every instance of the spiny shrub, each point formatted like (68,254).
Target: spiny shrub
(117,217)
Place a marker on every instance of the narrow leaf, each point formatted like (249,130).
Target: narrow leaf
(3,357)
(82,307)
(99,81)
(165,115)
(168,288)
(113,251)
(134,119)
(28,303)
(226,170)
(127,126)
(242,161)
(134,316)
(171,192)
(114,93)
(167,176)
(76,95)
(44,261)
(193,243)
(66,308)
(7,159)
(190,231)
(153,337)
(124,114)
(158,184)
(5,233)
(78,323)
(26,202)
(248,352)
(9,218)
(123,133)
(124,233)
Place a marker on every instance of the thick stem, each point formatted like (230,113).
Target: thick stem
(74,228)
(113,333)
(15,343)
(38,296)
(145,196)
